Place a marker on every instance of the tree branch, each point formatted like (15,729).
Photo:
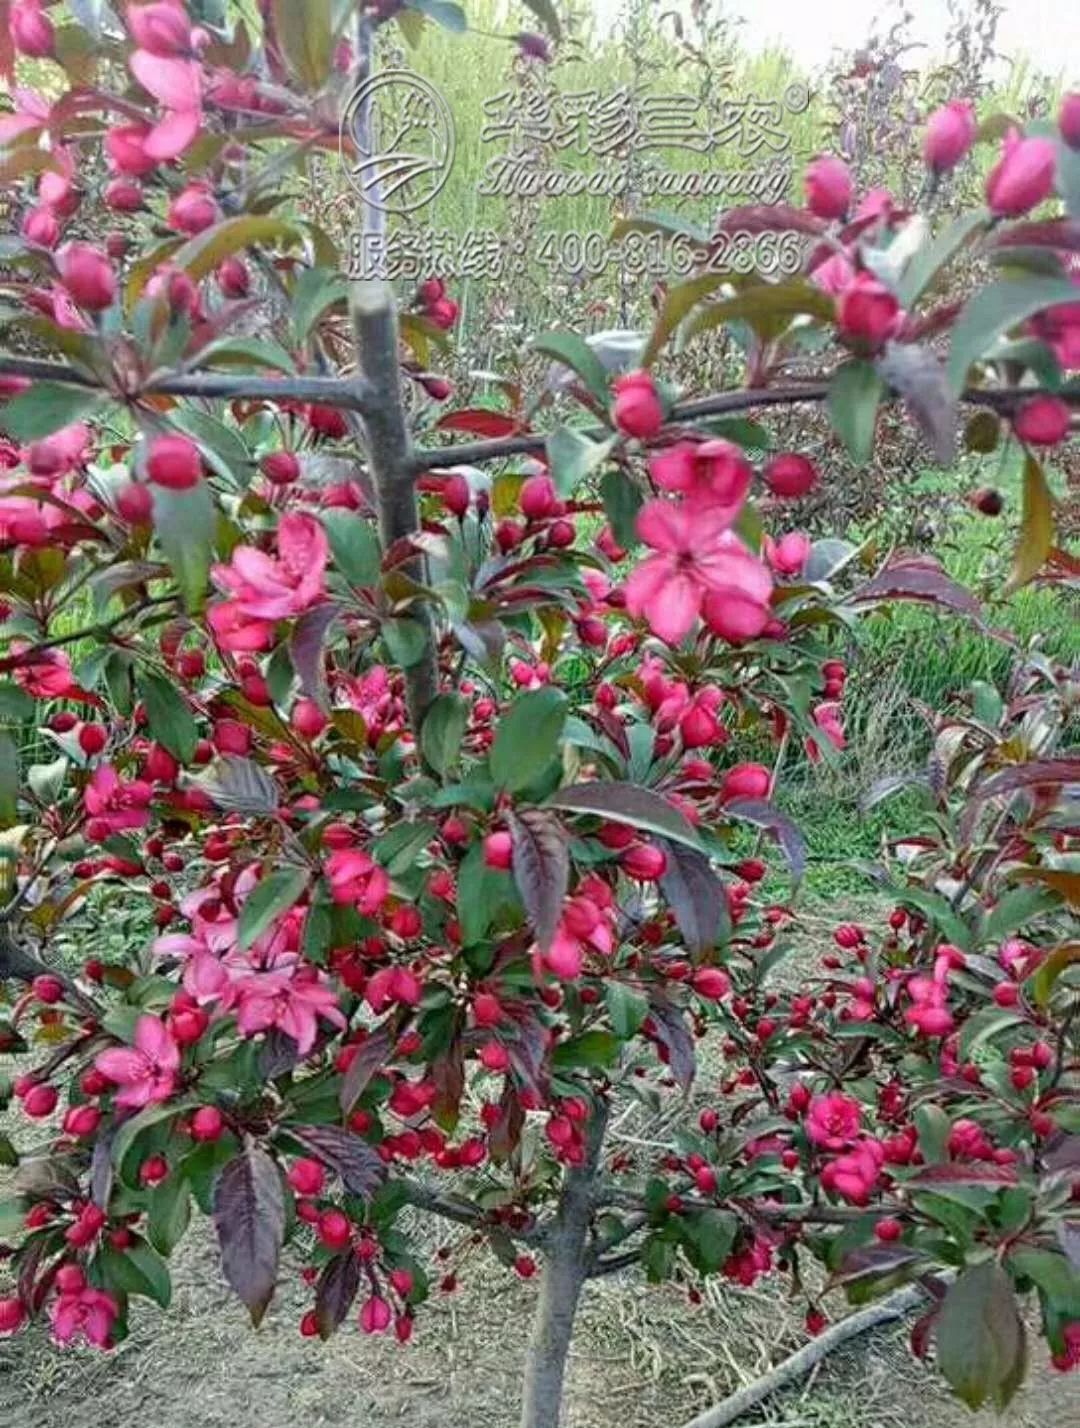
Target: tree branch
(389,452)
(797,1365)
(461,1211)
(321,391)
(473,453)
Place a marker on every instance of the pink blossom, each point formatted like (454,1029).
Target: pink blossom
(712,473)
(292,1003)
(146,1072)
(693,560)
(31,112)
(264,589)
(88,1314)
(834,274)
(833,1120)
(114,805)
(356,878)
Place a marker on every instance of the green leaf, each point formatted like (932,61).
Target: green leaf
(139,1269)
(939,911)
(9,780)
(574,352)
(1016,908)
(626,1008)
(185,523)
(46,407)
(591,1049)
(854,394)
(354,544)
(142,1120)
(572,457)
(933,1127)
(981,1345)
(268,900)
(171,721)
(527,738)
(200,255)
(679,302)
(984,1026)
(15,704)
(248,352)
(767,307)
(622,502)
(314,291)
(169,1213)
(992,311)
(306,36)
(1036,538)
(481,893)
(406,640)
(443,732)
(928,262)
(444,12)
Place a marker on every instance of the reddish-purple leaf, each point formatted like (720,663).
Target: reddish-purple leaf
(337,1288)
(448,1077)
(367,1061)
(961,1173)
(307,649)
(358,1164)
(770,218)
(918,578)
(627,803)
(249,1215)
(670,1029)
(1038,773)
(505,1134)
(541,864)
(479,422)
(1058,233)
(786,832)
(870,1262)
(695,895)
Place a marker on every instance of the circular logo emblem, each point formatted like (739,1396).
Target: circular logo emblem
(397,141)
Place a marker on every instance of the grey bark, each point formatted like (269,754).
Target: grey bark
(565,1271)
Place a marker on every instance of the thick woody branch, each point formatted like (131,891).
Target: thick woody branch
(475,453)
(321,391)
(390,460)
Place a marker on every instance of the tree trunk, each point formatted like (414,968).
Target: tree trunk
(565,1272)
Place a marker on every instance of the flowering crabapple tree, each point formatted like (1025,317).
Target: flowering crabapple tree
(438,768)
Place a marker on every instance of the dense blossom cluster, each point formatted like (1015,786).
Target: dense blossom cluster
(451,839)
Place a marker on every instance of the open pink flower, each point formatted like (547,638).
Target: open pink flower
(145,1072)
(710,473)
(177,85)
(31,112)
(833,1120)
(264,589)
(293,1004)
(356,878)
(114,805)
(89,1315)
(695,556)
